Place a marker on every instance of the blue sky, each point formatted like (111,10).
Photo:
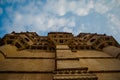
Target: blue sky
(76,16)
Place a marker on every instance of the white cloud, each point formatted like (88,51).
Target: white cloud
(11,1)
(114,19)
(114,23)
(1,10)
(83,8)
(101,7)
(79,29)
(82,28)
(80,7)
(66,29)
(62,7)
(38,22)
(104,6)
(58,7)
(57,15)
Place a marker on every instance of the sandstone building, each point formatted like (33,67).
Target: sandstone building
(59,56)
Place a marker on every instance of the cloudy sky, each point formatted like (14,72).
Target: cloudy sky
(76,16)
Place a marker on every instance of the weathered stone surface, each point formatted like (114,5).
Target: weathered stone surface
(112,50)
(25,76)
(59,56)
(101,64)
(108,76)
(92,54)
(27,65)
(67,64)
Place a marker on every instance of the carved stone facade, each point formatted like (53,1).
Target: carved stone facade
(59,56)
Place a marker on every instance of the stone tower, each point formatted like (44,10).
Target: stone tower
(59,56)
